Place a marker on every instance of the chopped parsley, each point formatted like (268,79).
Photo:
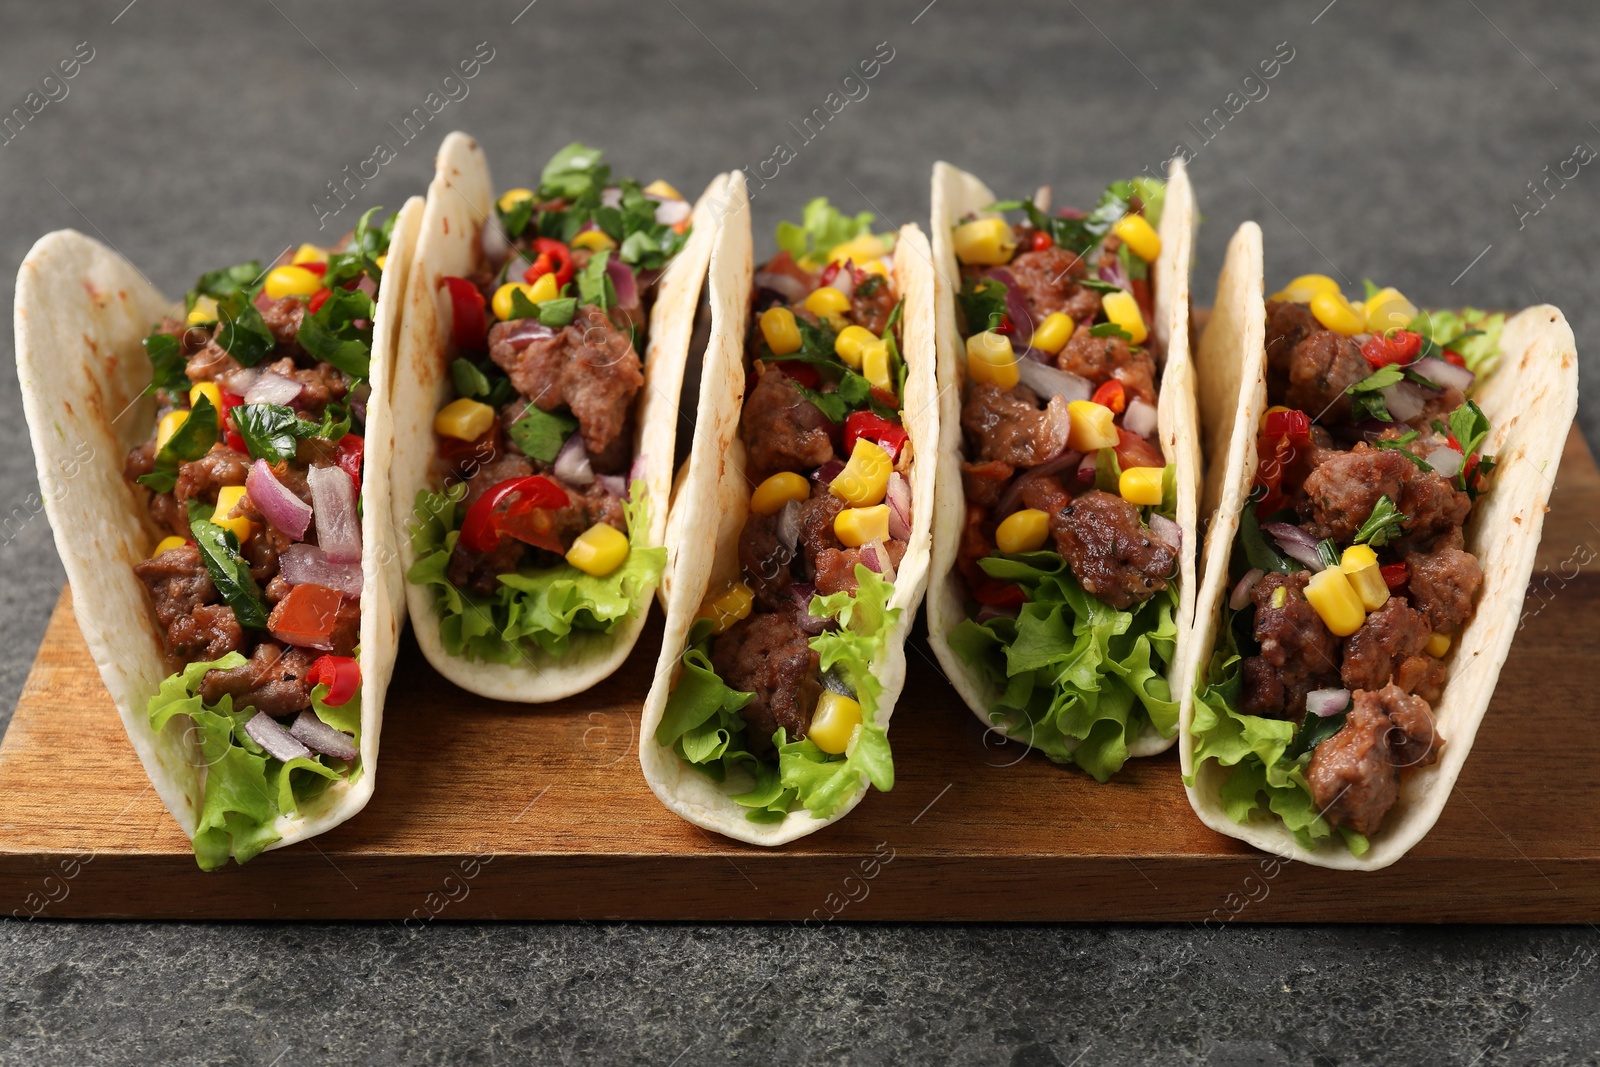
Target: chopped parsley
(1386,523)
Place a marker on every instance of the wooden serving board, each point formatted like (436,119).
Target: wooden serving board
(490,810)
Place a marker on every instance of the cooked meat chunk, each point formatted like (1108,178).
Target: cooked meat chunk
(211,632)
(765,560)
(1422,675)
(1389,636)
(211,363)
(1298,653)
(1110,550)
(985,483)
(1342,491)
(320,385)
(768,654)
(589,366)
(1048,282)
(782,430)
(816,525)
(1443,584)
(1432,506)
(1355,774)
(141,461)
(1045,493)
(1287,325)
(283,317)
(346,627)
(1101,359)
(262,549)
(277,589)
(201,478)
(871,302)
(273,680)
(1007,425)
(179,585)
(834,569)
(1321,368)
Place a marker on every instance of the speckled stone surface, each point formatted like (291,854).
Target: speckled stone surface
(1393,143)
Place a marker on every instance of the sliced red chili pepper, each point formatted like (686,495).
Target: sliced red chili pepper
(1398,346)
(306,616)
(1454,359)
(891,435)
(1395,574)
(348,454)
(524,516)
(1041,241)
(342,676)
(998,594)
(1111,395)
(1006,325)
(829,273)
(318,298)
(560,258)
(466,314)
(1450,439)
(804,373)
(319,269)
(538,268)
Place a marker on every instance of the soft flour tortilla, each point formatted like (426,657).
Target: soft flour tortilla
(460,203)
(81,313)
(1530,399)
(715,500)
(957,194)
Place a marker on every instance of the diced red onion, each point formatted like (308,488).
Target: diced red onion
(238,382)
(1444,374)
(611,196)
(333,499)
(1166,531)
(792,289)
(572,463)
(876,558)
(1037,355)
(898,497)
(1112,272)
(989,611)
(1008,500)
(787,526)
(1445,461)
(672,212)
(1296,543)
(844,279)
(1041,199)
(1140,418)
(1247,585)
(492,242)
(1325,702)
(526,331)
(279,743)
(637,468)
(270,387)
(826,473)
(1017,309)
(358,402)
(1086,469)
(1050,381)
(811,624)
(276,502)
(1360,339)
(368,286)
(316,734)
(614,484)
(1404,400)
(622,278)
(309,565)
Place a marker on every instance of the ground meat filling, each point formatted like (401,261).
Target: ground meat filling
(1101,359)
(588,366)
(1443,584)
(1049,281)
(1355,774)
(273,680)
(1007,425)
(1321,368)
(1298,653)
(1287,325)
(1390,635)
(764,559)
(782,430)
(186,605)
(769,655)
(1111,552)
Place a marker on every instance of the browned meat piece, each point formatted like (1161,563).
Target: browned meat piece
(1298,651)
(1100,359)
(765,561)
(211,363)
(589,366)
(871,303)
(502,469)
(262,549)
(834,569)
(178,583)
(1341,492)
(767,654)
(1437,406)
(782,430)
(1321,368)
(1007,425)
(985,483)
(283,317)
(1287,325)
(141,461)
(276,589)
(816,525)
(1048,281)
(211,632)
(600,506)
(1443,584)
(1390,635)
(320,385)
(1422,675)
(346,627)
(164,507)
(1432,506)
(200,479)
(1355,774)
(1045,494)
(273,681)
(1111,552)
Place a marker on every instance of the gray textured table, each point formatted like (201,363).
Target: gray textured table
(1397,145)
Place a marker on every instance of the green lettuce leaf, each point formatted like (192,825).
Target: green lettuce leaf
(540,606)
(1474,334)
(821,227)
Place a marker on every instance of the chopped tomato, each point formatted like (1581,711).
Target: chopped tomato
(1006,325)
(1111,395)
(342,676)
(890,435)
(1395,574)
(1134,451)
(553,258)
(466,308)
(518,507)
(1041,241)
(319,269)
(1283,434)
(1398,346)
(804,373)
(234,441)
(998,594)
(348,454)
(1454,359)
(306,616)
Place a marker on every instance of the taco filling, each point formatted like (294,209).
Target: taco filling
(1069,549)
(777,680)
(540,525)
(253,471)
(1349,574)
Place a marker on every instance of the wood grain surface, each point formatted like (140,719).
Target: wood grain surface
(489,810)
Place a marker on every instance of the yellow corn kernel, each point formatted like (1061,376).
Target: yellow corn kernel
(875,366)
(210,390)
(1137,233)
(834,722)
(228,499)
(851,340)
(875,266)
(167,544)
(1123,310)
(463,419)
(544,289)
(990,359)
(1280,596)
(827,302)
(1093,426)
(309,253)
(594,240)
(203,312)
(599,550)
(986,242)
(382,261)
(1053,333)
(1331,594)
(512,197)
(662,190)
(855,527)
(1273,409)
(1303,288)
(1141,485)
(291,281)
(1335,312)
(501,303)
(1360,565)
(1388,310)
(859,250)
(1438,645)
(771,495)
(777,326)
(729,607)
(1022,531)
(169,424)
(865,477)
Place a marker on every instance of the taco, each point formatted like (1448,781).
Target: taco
(801,528)
(533,447)
(1385,479)
(226,541)
(1063,583)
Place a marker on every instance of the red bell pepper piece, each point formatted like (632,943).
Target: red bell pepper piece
(1395,574)
(519,507)
(318,298)
(1006,325)
(1399,346)
(348,454)
(342,676)
(554,257)
(1111,395)
(890,435)
(998,594)
(466,307)
(319,269)
(230,436)
(306,616)
(1454,359)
